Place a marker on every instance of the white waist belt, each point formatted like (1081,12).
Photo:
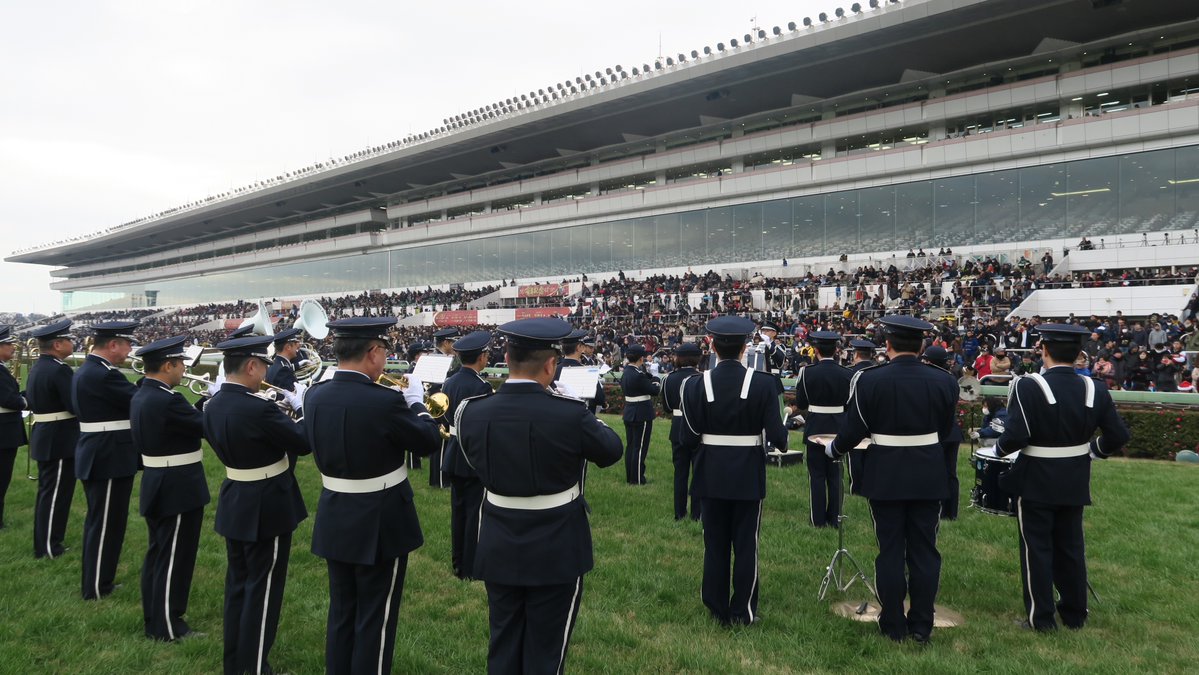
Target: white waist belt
(904,441)
(167,461)
(8,410)
(676,413)
(636,399)
(1058,452)
(722,439)
(363,485)
(54,416)
(98,427)
(827,409)
(262,473)
(537,503)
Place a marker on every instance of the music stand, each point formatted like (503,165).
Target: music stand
(835,573)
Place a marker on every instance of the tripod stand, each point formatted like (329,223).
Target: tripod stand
(836,572)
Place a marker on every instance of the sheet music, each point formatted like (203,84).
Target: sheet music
(191,355)
(432,368)
(581,379)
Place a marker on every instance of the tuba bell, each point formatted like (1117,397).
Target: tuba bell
(312,320)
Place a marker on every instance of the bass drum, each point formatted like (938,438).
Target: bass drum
(987,496)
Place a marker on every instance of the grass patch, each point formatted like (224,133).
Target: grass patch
(641,610)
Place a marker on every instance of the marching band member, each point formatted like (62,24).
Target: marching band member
(259,505)
(443,341)
(937,356)
(282,372)
(822,389)
(466,492)
(530,446)
(105,459)
(863,357)
(639,389)
(167,431)
(12,424)
(774,352)
(1051,420)
(241,331)
(729,413)
(686,358)
(907,409)
(54,437)
(366,523)
(587,349)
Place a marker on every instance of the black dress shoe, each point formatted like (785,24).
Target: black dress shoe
(921,639)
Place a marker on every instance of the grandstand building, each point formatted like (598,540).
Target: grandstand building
(980,125)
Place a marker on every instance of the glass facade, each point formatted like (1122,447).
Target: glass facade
(1102,197)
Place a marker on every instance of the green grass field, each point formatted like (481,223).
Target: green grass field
(641,611)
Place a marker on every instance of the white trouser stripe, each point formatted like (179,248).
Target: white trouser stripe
(395,571)
(1032,604)
(641,452)
(569,622)
(749,601)
(53,503)
(170,570)
(266,603)
(103,529)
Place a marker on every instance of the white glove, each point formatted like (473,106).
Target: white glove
(997,425)
(415,393)
(304,363)
(294,400)
(766,339)
(1094,456)
(828,450)
(565,390)
(974,435)
(300,389)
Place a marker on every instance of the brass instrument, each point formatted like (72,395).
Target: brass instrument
(197,384)
(269,392)
(438,404)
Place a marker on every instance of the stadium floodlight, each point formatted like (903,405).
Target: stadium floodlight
(748,38)
(624,75)
(720,46)
(761,34)
(578,80)
(636,72)
(873,4)
(823,17)
(779,31)
(807,22)
(645,68)
(619,68)
(733,43)
(694,54)
(682,58)
(587,77)
(669,61)
(840,13)
(707,51)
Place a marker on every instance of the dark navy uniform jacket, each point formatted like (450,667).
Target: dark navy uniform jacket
(12,425)
(357,430)
(637,382)
(282,374)
(1033,420)
(248,432)
(48,390)
(100,392)
(824,383)
(525,441)
(672,400)
(460,386)
(164,424)
(902,398)
(724,471)
(776,355)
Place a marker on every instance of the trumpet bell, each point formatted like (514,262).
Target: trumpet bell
(437,404)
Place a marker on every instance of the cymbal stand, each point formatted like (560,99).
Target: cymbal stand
(835,573)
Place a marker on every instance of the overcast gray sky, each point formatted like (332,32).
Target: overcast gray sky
(114,109)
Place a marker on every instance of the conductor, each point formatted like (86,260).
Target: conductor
(906,408)
(1051,420)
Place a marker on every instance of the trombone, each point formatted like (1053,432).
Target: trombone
(437,403)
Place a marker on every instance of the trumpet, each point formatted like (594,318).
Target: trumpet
(269,392)
(197,384)
(437,403)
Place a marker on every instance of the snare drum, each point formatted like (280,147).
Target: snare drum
(987,496)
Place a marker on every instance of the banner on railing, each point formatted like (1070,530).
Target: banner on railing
(543,291)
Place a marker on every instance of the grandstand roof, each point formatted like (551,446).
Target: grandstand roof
(906,42)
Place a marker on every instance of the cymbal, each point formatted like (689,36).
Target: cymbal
(968,388)
(868,612)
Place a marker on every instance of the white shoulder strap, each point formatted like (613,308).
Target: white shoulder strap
(749,377)
(1040,380)
(711,395)
(1089,384)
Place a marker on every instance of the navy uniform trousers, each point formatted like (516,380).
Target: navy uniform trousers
(104,532)
(907,533)
(824,486)
(531,626)
(254,581)
(1052,555)
(55,492)
(167,572)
